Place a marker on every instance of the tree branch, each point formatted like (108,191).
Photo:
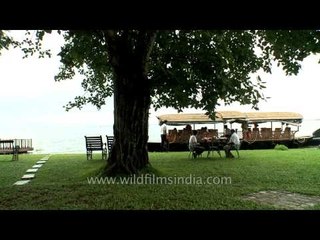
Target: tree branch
(111,40)
(145,44)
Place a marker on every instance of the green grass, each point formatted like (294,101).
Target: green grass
(62,182)
(11,171)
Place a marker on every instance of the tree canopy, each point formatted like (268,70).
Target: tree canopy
(5,40)
(170,68)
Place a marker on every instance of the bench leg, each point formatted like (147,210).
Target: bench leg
(238,153)
(15,156)
(218,151)
(15,153)
(211,150)
(89,155)
(104,154)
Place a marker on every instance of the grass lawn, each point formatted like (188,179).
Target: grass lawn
(62,183)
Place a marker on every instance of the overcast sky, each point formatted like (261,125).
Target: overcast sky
(29,94)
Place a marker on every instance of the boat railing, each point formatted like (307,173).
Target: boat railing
(257,134)
(7,145)
(267,134)
(23,143)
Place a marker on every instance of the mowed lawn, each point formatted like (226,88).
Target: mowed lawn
(179,182)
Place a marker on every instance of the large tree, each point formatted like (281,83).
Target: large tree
(175,68)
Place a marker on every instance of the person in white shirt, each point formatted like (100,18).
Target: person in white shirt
(194,146)
(164,139)
(234,142)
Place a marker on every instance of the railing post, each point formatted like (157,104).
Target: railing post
(15,155)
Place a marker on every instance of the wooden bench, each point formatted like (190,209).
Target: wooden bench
(110,140)
(95,143)
(7,147)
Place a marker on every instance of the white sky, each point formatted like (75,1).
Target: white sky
(29,95)
(28,90)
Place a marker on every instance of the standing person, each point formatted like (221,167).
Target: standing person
(164,139)
(234,142)
(188,128)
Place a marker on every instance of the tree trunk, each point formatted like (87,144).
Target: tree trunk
(131,115)
(129,53)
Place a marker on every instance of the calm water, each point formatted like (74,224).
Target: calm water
(70,138)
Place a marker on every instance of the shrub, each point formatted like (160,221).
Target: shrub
(316,133)
(281,147)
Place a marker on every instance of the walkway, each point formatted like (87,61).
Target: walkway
(30,173)
(284,200)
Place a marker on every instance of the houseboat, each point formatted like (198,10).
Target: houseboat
(255,129)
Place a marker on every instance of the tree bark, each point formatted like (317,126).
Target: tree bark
(131,115)
(129,54)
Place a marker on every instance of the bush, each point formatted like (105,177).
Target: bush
(316,133)
(281,147)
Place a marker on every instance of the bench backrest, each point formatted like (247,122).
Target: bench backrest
(94,143)
(110,140)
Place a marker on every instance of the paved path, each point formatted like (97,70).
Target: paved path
(31,173)
(284,200)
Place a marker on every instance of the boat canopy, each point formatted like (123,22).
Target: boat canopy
(232,116)
(286,117)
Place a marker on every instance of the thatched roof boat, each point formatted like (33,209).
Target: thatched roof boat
(231,116)
(266,135)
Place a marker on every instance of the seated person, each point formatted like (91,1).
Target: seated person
(234,142)
(226,132)
(206,138)
(172,137)
(194,146)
